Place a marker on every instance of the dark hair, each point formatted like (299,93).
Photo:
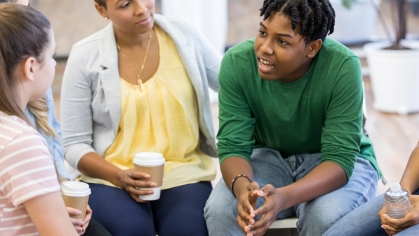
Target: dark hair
(315,18)
(101,3)
(7,1)
(24,33)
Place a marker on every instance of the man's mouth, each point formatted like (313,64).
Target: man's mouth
(265,63)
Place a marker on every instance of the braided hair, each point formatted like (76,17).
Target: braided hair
(315,18)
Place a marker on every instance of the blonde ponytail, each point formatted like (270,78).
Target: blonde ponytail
(39,109)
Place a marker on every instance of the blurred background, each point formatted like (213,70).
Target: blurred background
(394,135)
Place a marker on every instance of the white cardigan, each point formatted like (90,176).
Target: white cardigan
(90,95)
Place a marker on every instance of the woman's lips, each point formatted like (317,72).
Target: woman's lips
(143,21)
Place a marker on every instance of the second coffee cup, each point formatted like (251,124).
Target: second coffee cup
(151,163)
(76,195)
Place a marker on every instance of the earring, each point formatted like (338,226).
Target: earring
(105,17)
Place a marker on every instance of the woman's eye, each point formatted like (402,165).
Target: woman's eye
(261,32)
(125,5)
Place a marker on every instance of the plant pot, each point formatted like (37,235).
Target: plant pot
(354,25)
(394,76)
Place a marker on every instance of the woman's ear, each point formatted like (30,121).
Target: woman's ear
(101,10)
(314,47)
(28,68)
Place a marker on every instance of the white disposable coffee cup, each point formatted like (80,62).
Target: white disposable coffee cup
(151,163)
(76,195)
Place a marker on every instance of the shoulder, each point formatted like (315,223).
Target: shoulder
(337,58)
(334,49)
(17,134)
(180,29)
(90,40)
(12,126)
(241,54)
(180,22)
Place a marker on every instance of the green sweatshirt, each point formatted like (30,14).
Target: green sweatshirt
(318,113)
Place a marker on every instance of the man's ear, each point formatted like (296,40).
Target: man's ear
(314,47)
(101,10)
(28,68)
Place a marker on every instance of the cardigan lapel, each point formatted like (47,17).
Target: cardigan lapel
(187,55)
(109,76)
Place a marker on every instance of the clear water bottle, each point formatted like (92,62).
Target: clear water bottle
(397,201)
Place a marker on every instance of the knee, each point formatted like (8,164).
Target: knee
(218,208)
(316,219)
(124,228)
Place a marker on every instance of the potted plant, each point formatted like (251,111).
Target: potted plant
(355,20)
(394,67)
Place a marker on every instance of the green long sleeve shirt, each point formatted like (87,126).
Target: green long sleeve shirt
(318,113)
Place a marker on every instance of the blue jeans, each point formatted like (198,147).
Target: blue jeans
(178,212)
(314,217)
(364,221)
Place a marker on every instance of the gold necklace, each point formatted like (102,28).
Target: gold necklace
(139,81)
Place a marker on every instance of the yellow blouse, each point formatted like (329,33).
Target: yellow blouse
(162,117)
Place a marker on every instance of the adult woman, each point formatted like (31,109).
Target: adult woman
(30,199)
(140,84)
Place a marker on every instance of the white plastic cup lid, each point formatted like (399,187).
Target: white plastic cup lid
(395,187)
(75,189)
(149,159)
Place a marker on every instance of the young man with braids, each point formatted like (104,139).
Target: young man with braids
(290,140)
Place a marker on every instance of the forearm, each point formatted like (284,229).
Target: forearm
(49,215)
(325,178)
(410,178)
(233,166)
(95,166)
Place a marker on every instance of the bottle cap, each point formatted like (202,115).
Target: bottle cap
(395,187)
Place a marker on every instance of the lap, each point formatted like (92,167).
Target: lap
(179,211)
(119,213)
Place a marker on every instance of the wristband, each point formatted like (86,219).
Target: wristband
(234,180)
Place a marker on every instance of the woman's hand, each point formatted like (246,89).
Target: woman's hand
(394,226)
(131,180)
(246,203)
(267,212)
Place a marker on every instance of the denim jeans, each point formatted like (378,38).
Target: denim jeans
(364,221)
(315,216)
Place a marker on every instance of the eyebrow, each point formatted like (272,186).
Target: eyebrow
(277,34)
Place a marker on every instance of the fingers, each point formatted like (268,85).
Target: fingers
(390,230)
(267,191)
(84,227)
(398,224)
(253,186)
(73,212)
(242,224)
(243,214)
(136,198)
(88,216)
(136,179)
(79,230)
